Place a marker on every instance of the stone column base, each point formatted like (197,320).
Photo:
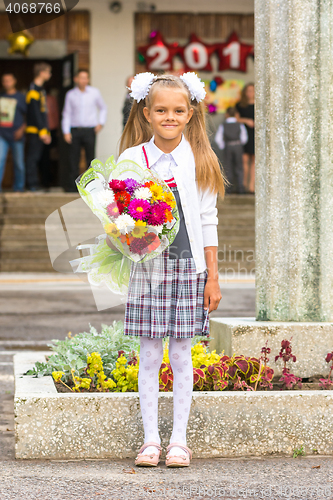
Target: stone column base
(310,342)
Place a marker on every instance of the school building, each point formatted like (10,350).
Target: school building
(104,36)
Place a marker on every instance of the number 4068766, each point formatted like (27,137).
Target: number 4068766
(34,8)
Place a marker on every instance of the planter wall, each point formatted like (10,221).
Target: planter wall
(221,424)
(310,342)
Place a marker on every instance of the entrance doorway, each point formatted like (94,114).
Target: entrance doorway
(63,71)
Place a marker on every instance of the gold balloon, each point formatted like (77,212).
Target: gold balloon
(19,42)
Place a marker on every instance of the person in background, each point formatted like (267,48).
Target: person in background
(83,117)
(128,101)
(12,126)
(47,166)
(230,137)
(37,129)
(245,109)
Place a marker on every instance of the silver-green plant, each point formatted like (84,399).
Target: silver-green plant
(71,353)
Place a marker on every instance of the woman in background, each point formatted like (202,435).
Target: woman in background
(245,108)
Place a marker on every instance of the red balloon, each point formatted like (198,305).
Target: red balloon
(219,80)
(196,54)
(233,54)
(158,54)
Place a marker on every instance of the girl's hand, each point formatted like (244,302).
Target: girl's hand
(108,242)
(212,294)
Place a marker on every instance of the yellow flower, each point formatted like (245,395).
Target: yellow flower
(156,191)
(140,229)
(112,230)
(83,382)
(122,360)
(169,199)
(57,376)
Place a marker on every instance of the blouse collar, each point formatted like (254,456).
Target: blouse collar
(154,153)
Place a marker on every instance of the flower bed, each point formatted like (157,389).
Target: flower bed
(224,423)
(109,362)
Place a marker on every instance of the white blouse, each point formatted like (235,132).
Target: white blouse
(199,207)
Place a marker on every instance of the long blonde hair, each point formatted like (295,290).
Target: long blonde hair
(209,173)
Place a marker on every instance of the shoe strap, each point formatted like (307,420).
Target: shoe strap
(151,443)
(182,446)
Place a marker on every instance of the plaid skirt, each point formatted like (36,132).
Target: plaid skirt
(166,298)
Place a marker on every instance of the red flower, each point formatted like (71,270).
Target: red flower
(120,207)
(138,245)
(123,197)
(117,185)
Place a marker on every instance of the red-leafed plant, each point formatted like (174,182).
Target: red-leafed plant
(265,373)
(212,377)
(246,370)
(326,383)
(132,358)
(289,379)
(166,377)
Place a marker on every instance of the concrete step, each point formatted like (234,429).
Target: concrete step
(235,231)
(25,219)
(232,199)
(237,267)
(36,198)
(26,255)
(236,242)
(18,231)
(33,265)
(236,255)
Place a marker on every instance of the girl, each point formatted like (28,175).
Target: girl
(245,108)
(172,294)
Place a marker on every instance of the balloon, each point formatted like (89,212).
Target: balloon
(233,54)
(158,54)
(19,42)
(219,80)
(213,85)
(212,108)
(196,54)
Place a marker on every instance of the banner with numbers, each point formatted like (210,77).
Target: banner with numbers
(196,54)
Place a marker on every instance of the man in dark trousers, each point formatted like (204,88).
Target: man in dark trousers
(230,137)
(83,117)
(37,130)
(12,126)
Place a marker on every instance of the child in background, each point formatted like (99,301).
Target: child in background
(230,137)
(166,133)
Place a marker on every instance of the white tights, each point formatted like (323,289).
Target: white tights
(151,355)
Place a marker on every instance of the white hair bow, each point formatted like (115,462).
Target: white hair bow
(143,81)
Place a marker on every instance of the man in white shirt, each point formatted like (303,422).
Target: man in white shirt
(230,137)
(83,117)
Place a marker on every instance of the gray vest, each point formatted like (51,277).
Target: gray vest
(231,134)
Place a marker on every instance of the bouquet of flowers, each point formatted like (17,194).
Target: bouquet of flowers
(139,215)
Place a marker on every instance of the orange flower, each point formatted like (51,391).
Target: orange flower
(155,241)
(148,184)
(125,238)
(168,216)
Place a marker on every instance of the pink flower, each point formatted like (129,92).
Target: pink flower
(117,185)
(138,209)
(156,215)
(113,209)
